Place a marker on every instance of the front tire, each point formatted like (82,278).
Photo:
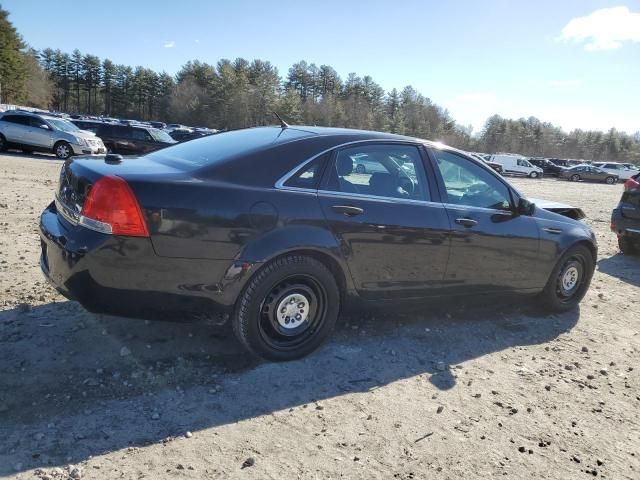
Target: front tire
(610,180)
(288,309)
(575,177)
(62,150)
(569,280)
(533,175)
(3,143)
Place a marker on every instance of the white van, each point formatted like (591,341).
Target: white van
(516,165)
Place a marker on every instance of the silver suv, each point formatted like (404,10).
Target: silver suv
(34,132)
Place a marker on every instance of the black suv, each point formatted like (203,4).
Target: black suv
(132,139)
(625,222)
(549,168)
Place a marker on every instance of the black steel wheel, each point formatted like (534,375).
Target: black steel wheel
(288,308)
(569,280)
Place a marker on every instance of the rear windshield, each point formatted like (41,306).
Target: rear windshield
(217,148)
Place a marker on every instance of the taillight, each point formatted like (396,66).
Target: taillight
(112,208)
(631,184)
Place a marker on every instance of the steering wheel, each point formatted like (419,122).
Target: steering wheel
(407,185)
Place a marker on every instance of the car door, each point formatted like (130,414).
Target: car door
(40,133)
(492,247)
(394,238)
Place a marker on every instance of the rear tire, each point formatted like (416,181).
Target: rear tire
(3,143)
(533,175)
(627,247)
(575,177)
(360,169)
(610,180)
(288,309)
(569,280)
(62,150)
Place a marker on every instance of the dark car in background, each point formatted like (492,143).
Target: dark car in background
(87,125)
(549,168)
(132,139)
(589,174)
(185,134)
(625,222)
(273,229)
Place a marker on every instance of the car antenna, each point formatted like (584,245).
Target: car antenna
(283,124)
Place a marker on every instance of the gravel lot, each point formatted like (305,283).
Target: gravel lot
(471,391)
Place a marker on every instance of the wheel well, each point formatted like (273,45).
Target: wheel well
(327,260)
(591,248)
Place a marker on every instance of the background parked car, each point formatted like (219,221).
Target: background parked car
(588,173)
(185,134)
(549,168)
(87,125)
(625,222)
(33,132)
(622,171)
(133,139)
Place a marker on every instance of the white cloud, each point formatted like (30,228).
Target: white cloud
(169,44)
(604,29)
(564,83)
(196,41)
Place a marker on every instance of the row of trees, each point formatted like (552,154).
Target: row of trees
(242,93)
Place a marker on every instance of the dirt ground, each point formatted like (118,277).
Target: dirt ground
(452,392)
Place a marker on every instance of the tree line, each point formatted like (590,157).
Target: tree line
(238,93)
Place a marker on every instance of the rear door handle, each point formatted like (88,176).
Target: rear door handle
(466,222)
(348,210)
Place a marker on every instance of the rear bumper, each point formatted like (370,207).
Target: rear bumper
(124,276)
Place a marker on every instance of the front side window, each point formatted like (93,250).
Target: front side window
(63,125)
(469,184)
(392,171)
(140,134)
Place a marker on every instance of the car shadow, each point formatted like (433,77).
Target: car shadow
(623,267)
(76,385)
(33,155)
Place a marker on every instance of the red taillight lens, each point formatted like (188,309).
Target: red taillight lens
(111,201)
(631,184)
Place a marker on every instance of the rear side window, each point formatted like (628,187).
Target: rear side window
(18,119)
(390,171)
(208,151)
(309,175)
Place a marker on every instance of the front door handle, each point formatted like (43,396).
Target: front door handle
(348,210)
(466,222)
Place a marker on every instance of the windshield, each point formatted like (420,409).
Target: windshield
(161,136)
(62,125)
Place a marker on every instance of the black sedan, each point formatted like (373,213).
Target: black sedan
(273,229)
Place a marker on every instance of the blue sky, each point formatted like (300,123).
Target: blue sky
(575,63)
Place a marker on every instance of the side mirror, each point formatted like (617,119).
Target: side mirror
(525,207)
(44,126)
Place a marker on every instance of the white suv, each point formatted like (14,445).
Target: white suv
(34,132)
(623,172)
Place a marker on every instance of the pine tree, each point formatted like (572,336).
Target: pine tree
(13,69)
